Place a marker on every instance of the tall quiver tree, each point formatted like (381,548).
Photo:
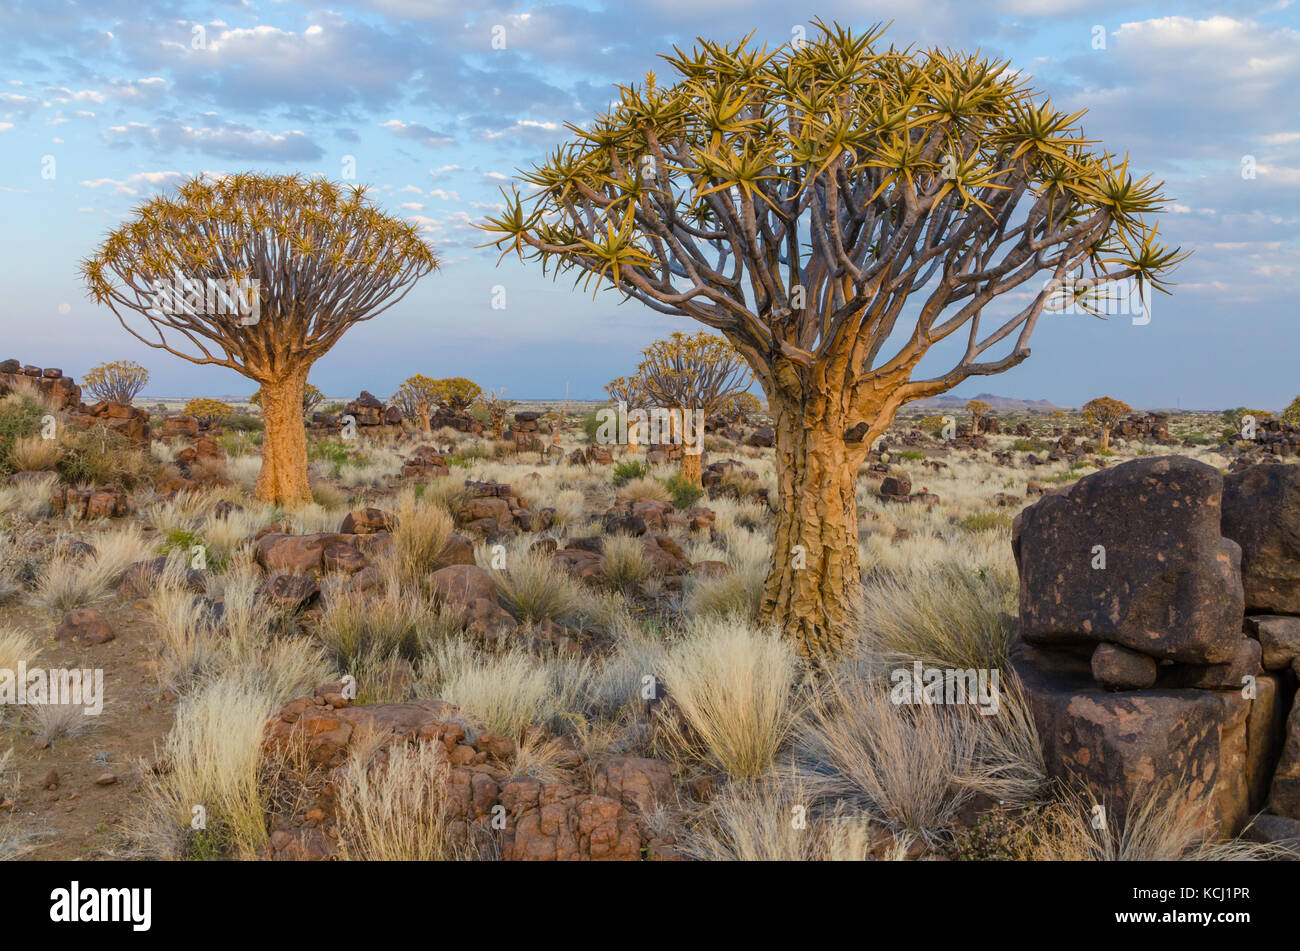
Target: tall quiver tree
(302,259)
(693,373)
(626,390)
(978,409)
(118,382)
(1105,413)
(416,398)
(796,200)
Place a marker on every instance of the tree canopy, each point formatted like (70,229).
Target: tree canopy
(117,382)
(794,199)
(319,257)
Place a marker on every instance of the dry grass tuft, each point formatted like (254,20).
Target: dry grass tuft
(734,686)
(394,809)
(213,759)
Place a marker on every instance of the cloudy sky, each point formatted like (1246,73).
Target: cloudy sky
(104,103)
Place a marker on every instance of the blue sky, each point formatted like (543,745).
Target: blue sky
(102,104)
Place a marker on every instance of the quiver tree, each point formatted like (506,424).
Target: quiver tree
(742,406)
(118,382)
(626,390)
(978,409)
(692,373)
(261,274)
(311,398)
(416,398)
(457,393)
(1105,413)
(496,406)
(795,200)
(208,411)
(1244,421)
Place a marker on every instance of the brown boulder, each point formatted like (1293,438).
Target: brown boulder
(1132,555)
(86,625)
(1213,747)
(1279,639)
(476,509)
(293,554)
(458,550)
(638,783)
(291,592)
(1261,513)
(366,521)
(1284,799)
(1118,668)
(180,426)
(549,822)
(322,732)
(581,564)
(339,556)
(463,584)
(897,485)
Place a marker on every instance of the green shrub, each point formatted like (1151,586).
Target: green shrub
(684,493)
(630,469)
(20,417)
(100,457)
(590,424)
(985,522)
(244,423)
(1030,445)
(912,455)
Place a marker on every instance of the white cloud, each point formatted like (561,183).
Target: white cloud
(418,132)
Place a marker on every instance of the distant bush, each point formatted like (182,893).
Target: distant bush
(243,423)
(336,452)
(630,469)
(100,457)
(20,417)
(208,410)
(590,425)
(1031,445)
(684,493)
(985,522)
(912,455)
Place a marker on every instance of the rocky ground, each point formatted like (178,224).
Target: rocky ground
(537,647)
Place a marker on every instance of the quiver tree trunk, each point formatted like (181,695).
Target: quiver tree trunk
(690,469)
(1105,438)
(283,479)
(690,464)
(814,586)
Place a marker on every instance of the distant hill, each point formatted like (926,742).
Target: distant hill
(947,401)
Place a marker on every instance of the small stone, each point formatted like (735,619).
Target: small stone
(105,779)
(1279,636)
(86,625)
(1118,668)
(51,780)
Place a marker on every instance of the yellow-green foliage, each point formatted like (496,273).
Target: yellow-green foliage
(117,382)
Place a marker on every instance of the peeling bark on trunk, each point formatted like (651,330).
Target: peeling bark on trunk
(814,586)
(1105,439)
(691,469)
(283,479)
